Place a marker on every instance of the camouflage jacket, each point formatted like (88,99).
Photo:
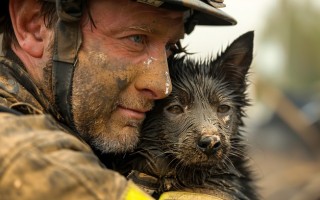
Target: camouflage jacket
(39,159)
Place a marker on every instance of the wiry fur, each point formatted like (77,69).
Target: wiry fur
(208,98)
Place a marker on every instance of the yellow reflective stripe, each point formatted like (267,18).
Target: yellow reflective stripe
(175,195)
(133,192)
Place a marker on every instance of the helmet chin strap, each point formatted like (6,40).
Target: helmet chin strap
(67,42)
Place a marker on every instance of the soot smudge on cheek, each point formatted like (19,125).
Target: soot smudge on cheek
(122,83)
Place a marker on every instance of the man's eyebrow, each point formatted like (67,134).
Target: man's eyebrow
(178,35)
(142,28)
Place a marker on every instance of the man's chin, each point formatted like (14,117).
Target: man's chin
(126,140)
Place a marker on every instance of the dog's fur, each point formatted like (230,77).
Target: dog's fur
(191,140)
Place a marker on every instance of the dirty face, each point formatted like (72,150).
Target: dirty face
(122,69)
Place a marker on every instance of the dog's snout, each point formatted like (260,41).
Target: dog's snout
(209,144)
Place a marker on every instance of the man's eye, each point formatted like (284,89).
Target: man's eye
(136,43)
(137,38)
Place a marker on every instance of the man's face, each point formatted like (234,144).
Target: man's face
(122,69)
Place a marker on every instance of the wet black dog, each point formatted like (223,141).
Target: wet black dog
(192,140)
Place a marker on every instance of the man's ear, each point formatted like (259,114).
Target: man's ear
(27,24)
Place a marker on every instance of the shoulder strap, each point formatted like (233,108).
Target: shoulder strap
(9,110)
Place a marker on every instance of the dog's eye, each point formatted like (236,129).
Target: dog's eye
(175,109)
(223,108)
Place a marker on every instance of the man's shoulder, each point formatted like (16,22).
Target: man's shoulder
(38,158)
(11,122)
(38,131)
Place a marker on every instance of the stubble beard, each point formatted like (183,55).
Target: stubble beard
(115,141)
(113,134)
(99,123)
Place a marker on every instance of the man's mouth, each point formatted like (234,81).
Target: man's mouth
(131,113)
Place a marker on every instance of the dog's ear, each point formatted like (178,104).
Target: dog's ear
(235,61)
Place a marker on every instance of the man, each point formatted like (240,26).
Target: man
(78,77)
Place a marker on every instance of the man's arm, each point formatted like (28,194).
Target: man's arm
(39,161)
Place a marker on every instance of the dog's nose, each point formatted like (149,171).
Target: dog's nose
(209,144)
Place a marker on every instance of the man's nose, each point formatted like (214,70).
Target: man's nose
(154,80)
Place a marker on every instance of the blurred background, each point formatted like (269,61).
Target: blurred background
(283,123)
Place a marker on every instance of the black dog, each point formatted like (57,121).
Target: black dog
(191,140)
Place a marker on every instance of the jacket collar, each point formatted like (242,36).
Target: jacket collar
(17,89)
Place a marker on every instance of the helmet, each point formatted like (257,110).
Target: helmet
(201,12)
(68,38)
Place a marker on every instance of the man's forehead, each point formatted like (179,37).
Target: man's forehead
(128,14)
(154,20)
